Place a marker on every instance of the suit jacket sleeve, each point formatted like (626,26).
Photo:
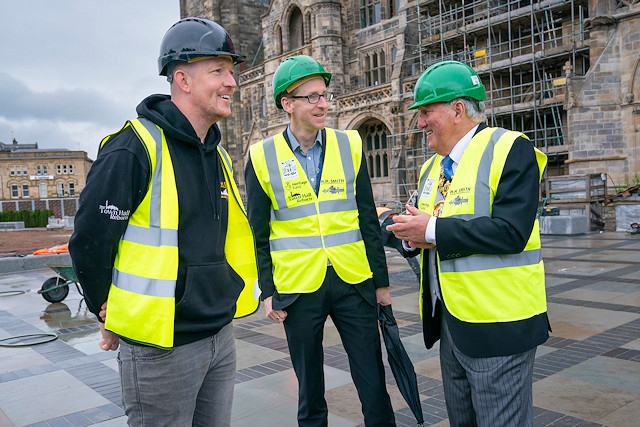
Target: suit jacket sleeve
(514,210)
(258,211)
(370,227)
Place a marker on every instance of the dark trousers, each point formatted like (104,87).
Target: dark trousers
(486,391)
(357,324)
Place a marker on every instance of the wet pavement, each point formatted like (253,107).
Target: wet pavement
(586,374)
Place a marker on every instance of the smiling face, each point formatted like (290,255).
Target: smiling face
(438,122)
(307,117)
(212,86)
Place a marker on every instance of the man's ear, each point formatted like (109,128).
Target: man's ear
(287,105)
(182,79)
(459,109)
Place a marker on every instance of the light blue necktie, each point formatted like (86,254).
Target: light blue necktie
(447,167)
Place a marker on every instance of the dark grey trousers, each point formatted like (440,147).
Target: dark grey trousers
(486,391)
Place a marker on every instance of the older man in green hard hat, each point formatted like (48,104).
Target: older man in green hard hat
(318,242)
(483,292)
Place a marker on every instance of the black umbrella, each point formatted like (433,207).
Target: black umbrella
(399,361)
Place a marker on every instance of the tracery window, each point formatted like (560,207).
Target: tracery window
(375,70)
(374,136)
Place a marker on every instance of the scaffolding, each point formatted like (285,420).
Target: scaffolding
(524,52)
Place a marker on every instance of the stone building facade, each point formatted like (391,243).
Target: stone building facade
(603,106)
(565,73)
(28,173)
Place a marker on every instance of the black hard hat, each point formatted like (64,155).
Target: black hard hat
(192,38)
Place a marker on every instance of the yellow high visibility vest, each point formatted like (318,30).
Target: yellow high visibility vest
(309,230)
(485,288)
(141,301)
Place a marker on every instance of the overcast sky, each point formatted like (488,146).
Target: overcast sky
(73,71)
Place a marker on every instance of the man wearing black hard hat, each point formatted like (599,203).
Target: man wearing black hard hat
(482,288)
(162,246)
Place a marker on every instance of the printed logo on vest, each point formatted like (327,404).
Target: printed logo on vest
(223,190)
(428,187)
(114,212)
(289,170)
(333,190)
(458,201)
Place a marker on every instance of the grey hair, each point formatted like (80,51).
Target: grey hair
(475,109)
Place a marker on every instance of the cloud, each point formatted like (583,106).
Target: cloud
(73,72)
(73,105)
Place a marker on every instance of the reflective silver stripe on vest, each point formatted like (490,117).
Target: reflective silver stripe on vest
(156,179)
(347,166)
(225,157)
(274,173)
(144,285)
(151,236)
(483,190)
(315,242)
(482,208)
(491,262)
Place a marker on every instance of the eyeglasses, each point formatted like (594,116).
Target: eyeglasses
(314,98)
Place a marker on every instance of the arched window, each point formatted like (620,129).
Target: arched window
(278,34)
(296,35)
(374,136)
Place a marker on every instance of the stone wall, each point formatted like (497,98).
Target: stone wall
(604,122)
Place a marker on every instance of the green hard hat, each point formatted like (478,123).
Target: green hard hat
(446,81)
(293,69)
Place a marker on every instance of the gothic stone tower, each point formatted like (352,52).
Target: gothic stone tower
(242,20)
(604,104)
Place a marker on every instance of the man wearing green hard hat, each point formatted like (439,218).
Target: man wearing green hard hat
(318,242)
(474,223)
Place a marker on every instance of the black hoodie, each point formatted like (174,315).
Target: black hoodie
(119,178)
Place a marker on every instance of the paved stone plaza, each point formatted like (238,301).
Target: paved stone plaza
(587,373)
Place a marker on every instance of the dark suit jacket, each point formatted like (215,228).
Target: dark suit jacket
(505,232)
(259,211)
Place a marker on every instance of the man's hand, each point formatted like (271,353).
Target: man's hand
(103,312)
(277,316)
(412,227)
(109,341)
(383,296)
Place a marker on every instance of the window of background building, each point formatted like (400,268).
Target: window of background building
(12,171)
(24,170)
(14,191)
(374,68)
(58,169)
(296,35)
(38,170)
(44,169)
(70,169)
(374,11)
(42,190)
(71,187)
(25,190)
(60,189)
(374,134)
(370,12)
